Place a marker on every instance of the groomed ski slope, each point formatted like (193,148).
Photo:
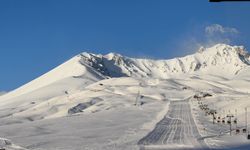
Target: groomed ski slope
(177,130)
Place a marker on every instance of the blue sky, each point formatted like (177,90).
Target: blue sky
(36,36)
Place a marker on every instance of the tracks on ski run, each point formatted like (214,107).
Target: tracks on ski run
(177,130)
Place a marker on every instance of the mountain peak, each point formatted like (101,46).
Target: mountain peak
(225,48)
(220,59)
(112,55)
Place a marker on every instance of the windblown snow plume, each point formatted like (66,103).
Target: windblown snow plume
(216,28)
(217,33)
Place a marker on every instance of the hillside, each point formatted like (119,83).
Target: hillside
(90,96)
(74,75)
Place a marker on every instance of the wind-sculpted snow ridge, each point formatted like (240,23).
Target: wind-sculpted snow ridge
(221,59)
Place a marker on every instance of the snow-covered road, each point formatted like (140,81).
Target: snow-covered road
(177,130)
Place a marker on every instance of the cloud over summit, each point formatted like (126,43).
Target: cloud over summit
(216,33)
(219,29)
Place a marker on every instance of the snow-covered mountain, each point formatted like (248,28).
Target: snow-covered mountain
(220,59)
(90,96)
(86,68)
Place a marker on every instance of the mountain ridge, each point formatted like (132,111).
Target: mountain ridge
(86,68)
(116,65)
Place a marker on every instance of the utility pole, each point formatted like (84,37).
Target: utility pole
(137,97)
(236,121)
(230,122)
(213,112)
(67,93)
(246,119)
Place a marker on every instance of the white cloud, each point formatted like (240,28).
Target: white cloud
(206,36)
(216,33)
(219,29)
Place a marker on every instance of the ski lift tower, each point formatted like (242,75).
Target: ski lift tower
(246,119)
(235,120)
(137,98)
(230,116)
(67,93)
(213,112)
(246,129)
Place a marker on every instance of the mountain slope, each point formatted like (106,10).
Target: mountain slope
(79,103)
(81,70)
(69,76)
(55,88)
